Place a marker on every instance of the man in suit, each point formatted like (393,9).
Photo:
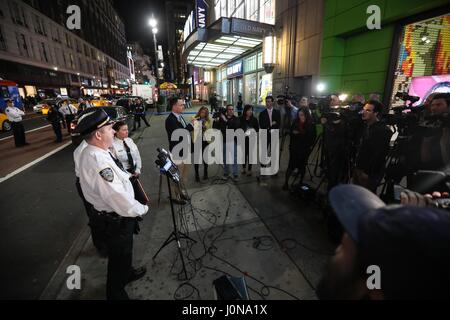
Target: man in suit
(176,121)
(269,119)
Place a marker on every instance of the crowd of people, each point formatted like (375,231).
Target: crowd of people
(403,241)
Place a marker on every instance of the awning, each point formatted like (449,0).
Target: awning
(168,86)
(223,41)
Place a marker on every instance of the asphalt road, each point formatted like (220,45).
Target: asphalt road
(41,216)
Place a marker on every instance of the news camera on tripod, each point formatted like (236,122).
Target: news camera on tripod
(422,148)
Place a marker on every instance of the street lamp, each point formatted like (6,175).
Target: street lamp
(153,23)
(269,52)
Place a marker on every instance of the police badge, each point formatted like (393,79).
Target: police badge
(107,174)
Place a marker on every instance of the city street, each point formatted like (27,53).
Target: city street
(266,233)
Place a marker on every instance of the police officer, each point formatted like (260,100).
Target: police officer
(14,115)
(69,112)
(54,117)
(97,226)
(108,188)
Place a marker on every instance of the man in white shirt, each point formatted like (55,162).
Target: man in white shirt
(14,115)
(108,188)
(69,112)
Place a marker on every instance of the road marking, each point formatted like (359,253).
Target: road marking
(12,174)
(49,125)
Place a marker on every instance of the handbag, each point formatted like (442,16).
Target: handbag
(139,192)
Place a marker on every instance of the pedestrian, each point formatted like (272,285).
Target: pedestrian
(108,188)
(125,150)
(14,115)
(239,105)
(69,112)
(54,117)
(269,119)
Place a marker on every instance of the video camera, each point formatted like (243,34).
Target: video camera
(406,97)
(321,103)
(166,165)
(221,111)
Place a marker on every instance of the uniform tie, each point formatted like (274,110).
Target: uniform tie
(130,157)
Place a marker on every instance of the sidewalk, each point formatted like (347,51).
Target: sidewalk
(249,229)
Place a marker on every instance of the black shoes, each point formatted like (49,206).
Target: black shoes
(136,274)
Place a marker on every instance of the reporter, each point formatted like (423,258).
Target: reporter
(202,119)
(303,134)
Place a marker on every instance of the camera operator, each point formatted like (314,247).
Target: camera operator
(224,120)
(373,149)
(335,144)
(434,141)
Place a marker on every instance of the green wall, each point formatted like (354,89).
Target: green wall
(353,58)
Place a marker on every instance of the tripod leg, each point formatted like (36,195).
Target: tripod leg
(168,240)
(160,189)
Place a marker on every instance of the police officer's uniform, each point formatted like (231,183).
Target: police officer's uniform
(108,188)
(14,115)
(127,152)
(69,112)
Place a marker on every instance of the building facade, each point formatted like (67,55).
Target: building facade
(410,53)
(44,57)
(237,30)
(176,15)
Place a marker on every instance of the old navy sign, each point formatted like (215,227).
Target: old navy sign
(201,13)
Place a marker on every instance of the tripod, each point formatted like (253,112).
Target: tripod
(175,235)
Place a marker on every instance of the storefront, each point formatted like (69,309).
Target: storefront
(423,59)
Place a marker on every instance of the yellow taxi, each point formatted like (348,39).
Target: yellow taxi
(5,125)
(100,102)
(44,106)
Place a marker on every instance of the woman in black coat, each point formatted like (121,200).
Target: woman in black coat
(302,137)
(247,122)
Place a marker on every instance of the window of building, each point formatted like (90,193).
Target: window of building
(78,45)
(252,10)
(72,61)
(17,15)
(267,11)
(38,26)
(260,63)
(68,42)
(1,13)
(250,90)
(44,55)
(22,44)
(92,53)
(250,64)
(2,40)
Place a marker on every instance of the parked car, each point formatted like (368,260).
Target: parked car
(44,106)
(5,125)
(100,102)
(116,113)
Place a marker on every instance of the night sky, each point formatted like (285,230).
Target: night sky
(135,14)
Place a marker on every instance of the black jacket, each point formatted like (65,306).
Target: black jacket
(249,124)
(264,121)
(374,148)
(232,123)
(173,124)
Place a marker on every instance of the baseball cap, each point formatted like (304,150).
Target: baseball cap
(411,245)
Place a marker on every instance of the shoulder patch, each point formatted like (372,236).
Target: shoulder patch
(107,174)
